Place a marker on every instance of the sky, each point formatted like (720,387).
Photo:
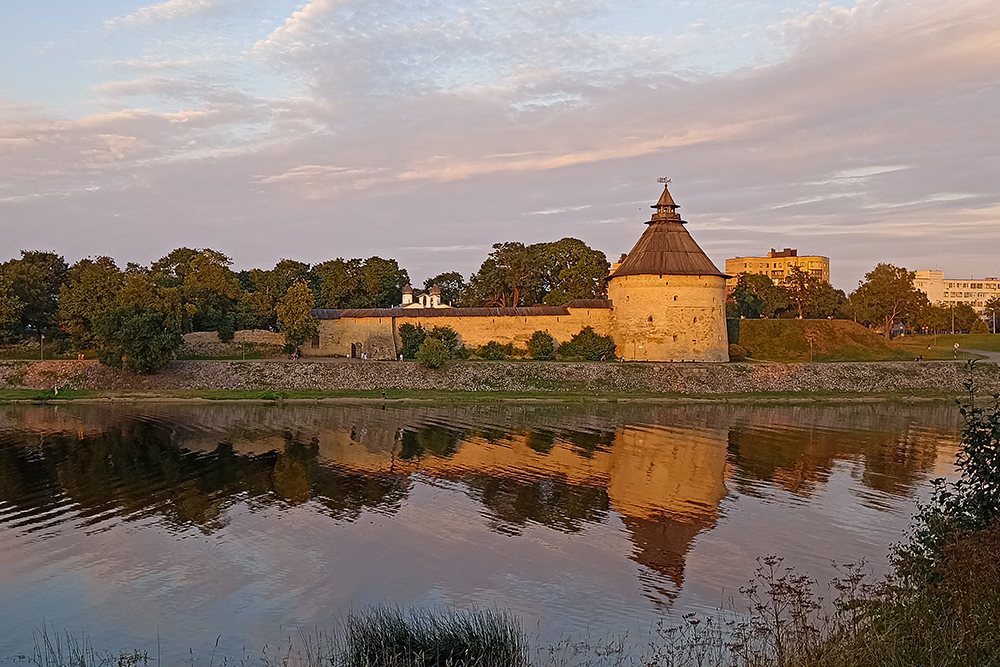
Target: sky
(427,130)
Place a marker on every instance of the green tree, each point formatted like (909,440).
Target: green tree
(965,317)
(10,309)
(412,337)
(992,313)
(589,345)
(451,285)
(35,279)
(295,317)
(432,353)
(887,296)
(756,296)
(255,310)
(542,346)
(510,276)
(92,289)
(210,291)
(825,301)
(935,318)
(143,293)
(371,283)
(570,269)
(140,340)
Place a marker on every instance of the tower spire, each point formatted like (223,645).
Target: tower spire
(666,208)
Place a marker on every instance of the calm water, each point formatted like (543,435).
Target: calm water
(248,521)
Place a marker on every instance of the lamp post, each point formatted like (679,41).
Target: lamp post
(41,348)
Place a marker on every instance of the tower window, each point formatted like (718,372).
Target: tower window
(650,318)
(695,320)
(675,297)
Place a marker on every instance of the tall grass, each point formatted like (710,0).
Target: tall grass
(384,636)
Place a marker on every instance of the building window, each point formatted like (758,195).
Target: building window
(650,318)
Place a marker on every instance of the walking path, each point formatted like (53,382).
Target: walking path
(990,356)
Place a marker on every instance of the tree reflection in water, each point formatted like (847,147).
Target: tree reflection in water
(662,471)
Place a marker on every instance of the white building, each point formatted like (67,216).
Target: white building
(975,292)
(431,299)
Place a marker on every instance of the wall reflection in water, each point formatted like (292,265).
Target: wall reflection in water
(664,472)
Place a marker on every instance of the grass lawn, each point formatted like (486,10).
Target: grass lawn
(942,346)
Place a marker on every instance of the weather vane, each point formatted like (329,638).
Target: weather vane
(663,179)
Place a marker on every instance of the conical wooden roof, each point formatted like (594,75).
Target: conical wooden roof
(666,247)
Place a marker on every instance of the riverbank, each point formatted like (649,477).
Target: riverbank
(327,380)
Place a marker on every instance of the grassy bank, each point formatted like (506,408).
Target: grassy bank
(817,340)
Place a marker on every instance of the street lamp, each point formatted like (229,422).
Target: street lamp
(41,348)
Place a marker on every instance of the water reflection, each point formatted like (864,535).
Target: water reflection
(661,475)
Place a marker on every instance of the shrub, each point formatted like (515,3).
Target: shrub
(432,354)
(462,352)
(412,337)
(448,336)
(494,351)
(589,345)
(970,504)
(737,352)
(542,346)
(980,327)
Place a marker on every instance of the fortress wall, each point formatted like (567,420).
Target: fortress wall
(670,318)
(477,331)
(336,336)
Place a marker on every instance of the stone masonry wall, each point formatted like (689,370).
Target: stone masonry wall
(541,377)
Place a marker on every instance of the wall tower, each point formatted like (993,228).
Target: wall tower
(669,298)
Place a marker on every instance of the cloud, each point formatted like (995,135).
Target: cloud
(468,127)
(298,23)
(165,11)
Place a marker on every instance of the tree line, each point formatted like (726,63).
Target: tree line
(885,300)
(97,305)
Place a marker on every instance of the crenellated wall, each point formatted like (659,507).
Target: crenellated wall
(670,318)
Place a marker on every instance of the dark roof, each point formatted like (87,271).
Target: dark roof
(666,248)
(588,303)
(527,311)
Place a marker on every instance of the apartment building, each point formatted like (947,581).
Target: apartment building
(777,264)
(947,291)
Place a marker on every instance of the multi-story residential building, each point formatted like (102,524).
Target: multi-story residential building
(947,291)
(777,265)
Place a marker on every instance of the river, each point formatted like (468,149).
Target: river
(170,527)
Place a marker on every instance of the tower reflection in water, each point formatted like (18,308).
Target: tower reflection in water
(663,472)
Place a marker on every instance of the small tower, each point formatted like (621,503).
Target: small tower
(407,295)
(669,298)
(435,297)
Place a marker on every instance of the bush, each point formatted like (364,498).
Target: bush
(462,352)
(432,354)
(139,340)
(980,327)
(737,353)
(542,346)
(970,504)
(448,336)
(589,345)
(413,337)
(494,351)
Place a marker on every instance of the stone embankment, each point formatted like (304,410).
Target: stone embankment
(554,378)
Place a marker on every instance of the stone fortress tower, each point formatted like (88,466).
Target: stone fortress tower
(669,298)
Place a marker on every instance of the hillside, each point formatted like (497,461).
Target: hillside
(832,340)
